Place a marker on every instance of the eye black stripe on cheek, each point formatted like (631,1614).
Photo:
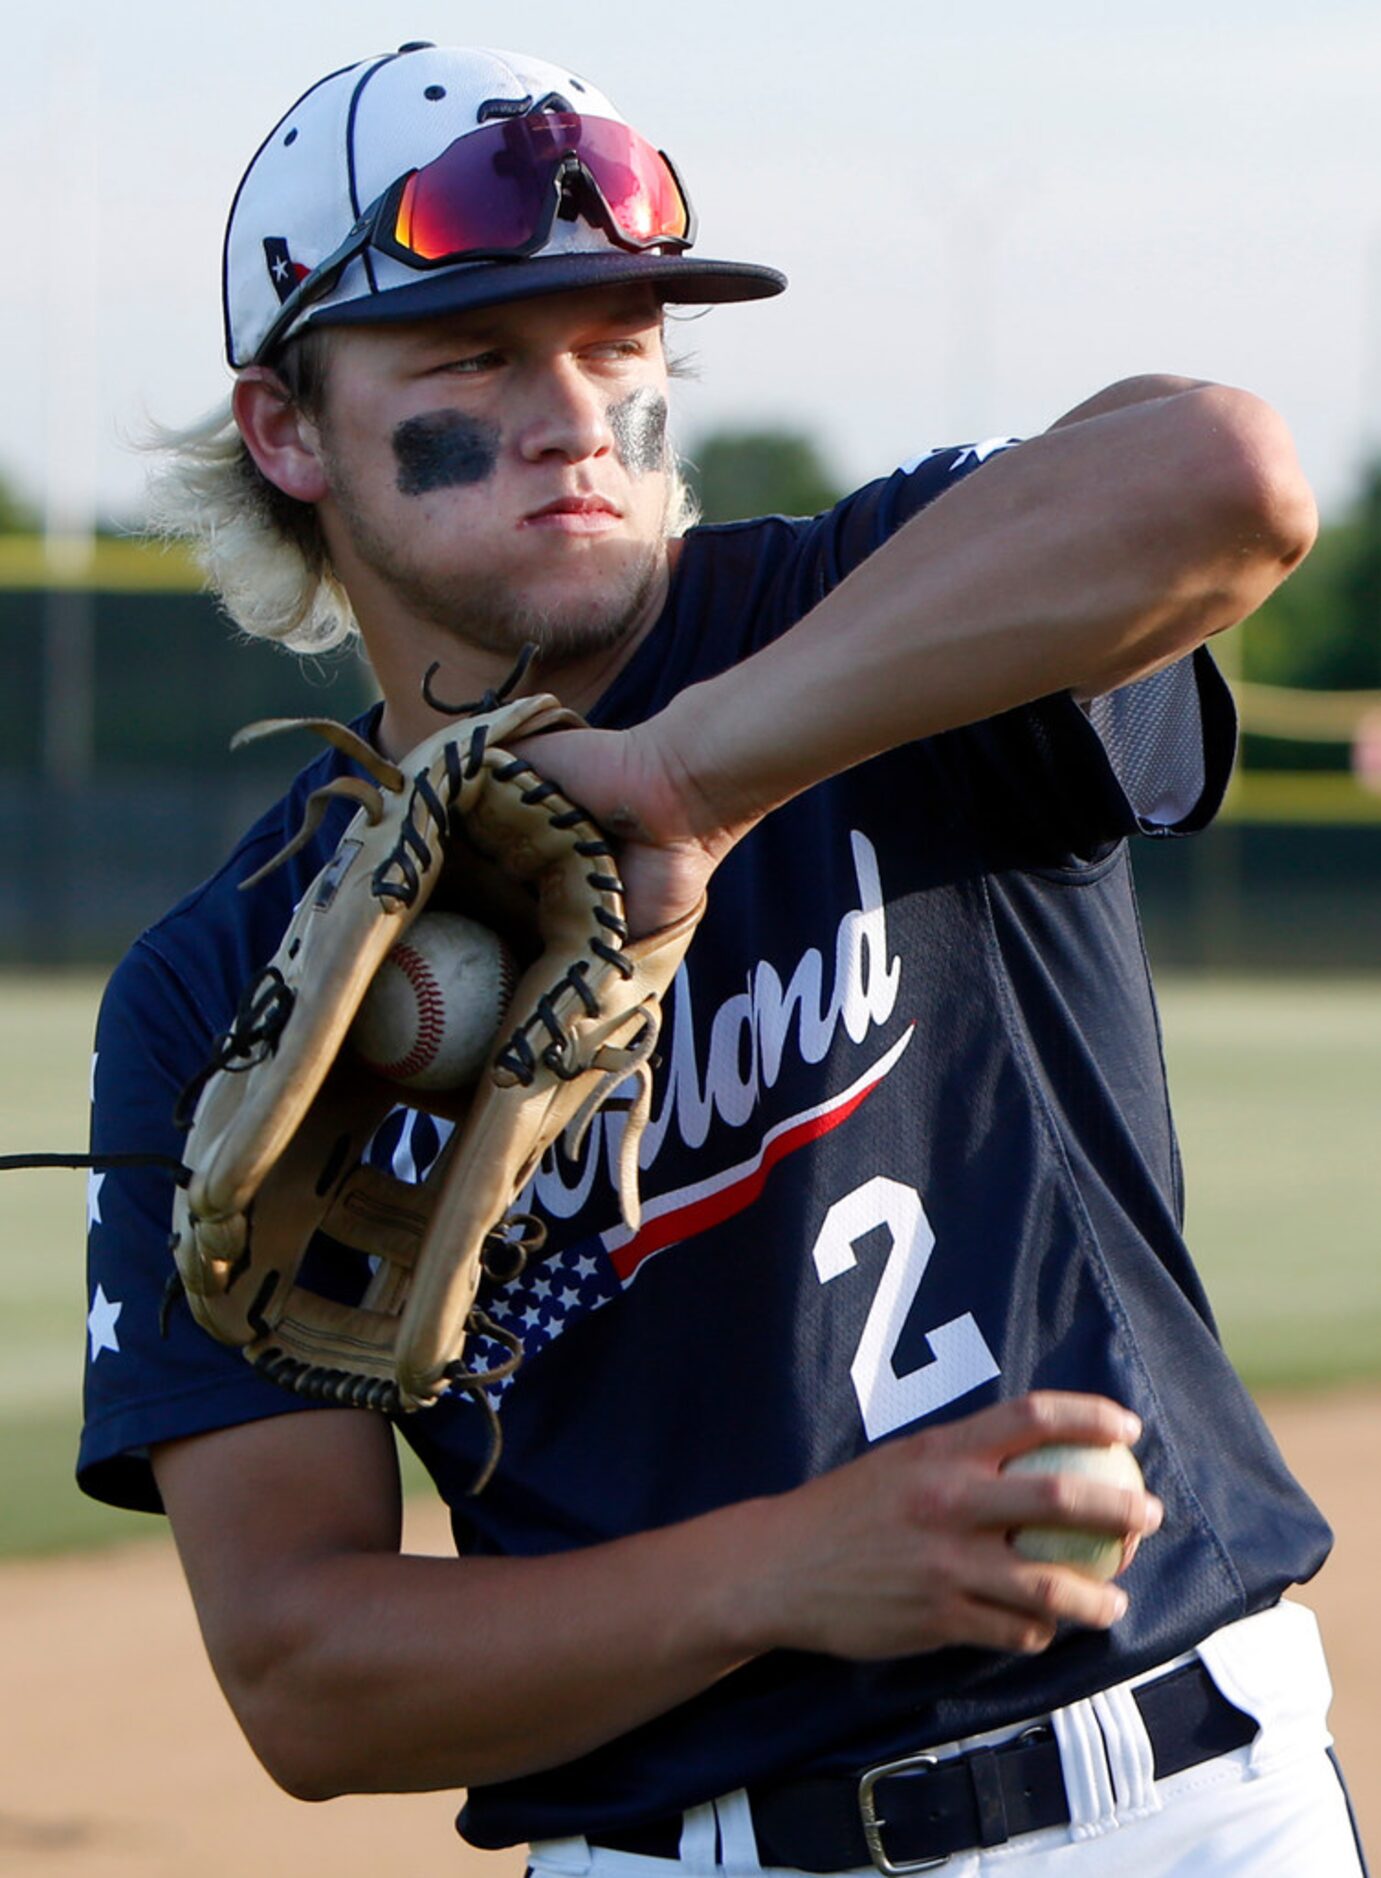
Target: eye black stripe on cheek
(639,424)
(444,450)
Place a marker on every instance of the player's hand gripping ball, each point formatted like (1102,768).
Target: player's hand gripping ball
(434,1007)
(1100,1554)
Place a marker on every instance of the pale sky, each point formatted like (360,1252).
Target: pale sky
(986,212)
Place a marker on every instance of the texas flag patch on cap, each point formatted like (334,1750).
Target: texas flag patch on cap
(284,272)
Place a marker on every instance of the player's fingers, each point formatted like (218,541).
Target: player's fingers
(989,1626)
(1044,1593)
(1078,1501)
(1040,1418)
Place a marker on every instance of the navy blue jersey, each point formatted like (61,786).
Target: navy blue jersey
(910,1152)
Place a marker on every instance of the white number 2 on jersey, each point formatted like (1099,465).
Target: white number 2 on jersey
(961,1359)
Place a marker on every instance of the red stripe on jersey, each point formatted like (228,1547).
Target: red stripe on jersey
(677,1216)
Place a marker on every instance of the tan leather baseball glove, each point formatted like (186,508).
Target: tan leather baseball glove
(286,1109)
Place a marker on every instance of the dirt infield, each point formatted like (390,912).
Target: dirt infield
(121,1760)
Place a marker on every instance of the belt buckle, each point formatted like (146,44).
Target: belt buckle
(873,1825)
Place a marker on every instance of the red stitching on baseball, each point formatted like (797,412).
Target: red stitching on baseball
(431,1015)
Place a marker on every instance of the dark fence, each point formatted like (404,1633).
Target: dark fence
(118,792)
(1263,896)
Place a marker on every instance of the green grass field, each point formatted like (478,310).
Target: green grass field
(1277,1084)
(1277,1088)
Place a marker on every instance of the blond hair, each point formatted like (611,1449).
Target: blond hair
(263,553)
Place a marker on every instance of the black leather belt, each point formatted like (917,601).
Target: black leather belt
(917,1811)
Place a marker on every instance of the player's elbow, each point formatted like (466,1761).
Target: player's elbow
(277,1677)
(301,1781)
(299,1774)
(1249,499)
(282,1724)
(1221,513)
(305,1752)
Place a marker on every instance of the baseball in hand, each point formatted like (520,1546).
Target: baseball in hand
(1100,1554)
(433,1010)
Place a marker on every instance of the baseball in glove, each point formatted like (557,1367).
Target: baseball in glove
(281,1116)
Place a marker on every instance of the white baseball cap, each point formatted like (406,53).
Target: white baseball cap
(324,225)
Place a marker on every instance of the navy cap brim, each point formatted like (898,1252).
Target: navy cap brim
(676,278)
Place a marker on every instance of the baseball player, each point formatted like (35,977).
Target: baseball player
(741,1594)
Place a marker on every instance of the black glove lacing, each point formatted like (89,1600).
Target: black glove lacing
(264,1008)
(491,699)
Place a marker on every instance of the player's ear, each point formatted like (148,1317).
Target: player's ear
(280,436)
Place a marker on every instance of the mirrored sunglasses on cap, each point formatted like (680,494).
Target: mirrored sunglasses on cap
(495,193)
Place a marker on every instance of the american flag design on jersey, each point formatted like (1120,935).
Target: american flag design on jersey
(556,1288)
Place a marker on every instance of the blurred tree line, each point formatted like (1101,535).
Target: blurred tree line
(741,473)
(18,516)
(1322,629)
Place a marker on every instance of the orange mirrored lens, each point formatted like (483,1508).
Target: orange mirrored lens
(491,189)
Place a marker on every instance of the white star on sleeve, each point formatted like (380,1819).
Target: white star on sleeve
(101,1324)
(980,452)
(94,1183)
